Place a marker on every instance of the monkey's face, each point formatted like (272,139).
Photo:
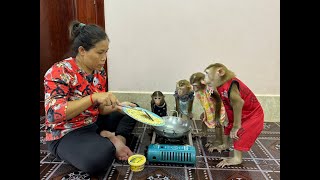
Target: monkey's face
(182,90)
(158,100)
(198,86)
(212,77)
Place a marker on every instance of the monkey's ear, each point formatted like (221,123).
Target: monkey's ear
(221,71)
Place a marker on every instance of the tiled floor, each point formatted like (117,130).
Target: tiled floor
(261,162)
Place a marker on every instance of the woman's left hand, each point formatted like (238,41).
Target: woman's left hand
(126,103)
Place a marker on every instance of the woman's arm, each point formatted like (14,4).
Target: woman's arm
(74,108)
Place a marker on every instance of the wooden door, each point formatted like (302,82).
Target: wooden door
(55,16)
(90,11)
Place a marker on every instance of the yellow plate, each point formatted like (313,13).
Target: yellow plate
(139,114)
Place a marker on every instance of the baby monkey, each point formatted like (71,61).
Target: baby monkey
(158,104)
(214,111)
(184,96)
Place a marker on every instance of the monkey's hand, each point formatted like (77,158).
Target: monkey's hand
(190,115)
(204,118)
(233,132)
(217,122)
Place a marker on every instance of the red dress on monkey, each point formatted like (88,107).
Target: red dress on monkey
(252,114)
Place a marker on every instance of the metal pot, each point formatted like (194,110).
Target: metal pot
(174,127)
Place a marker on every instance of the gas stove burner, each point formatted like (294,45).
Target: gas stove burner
(171,150)
(165,140)
(184,140)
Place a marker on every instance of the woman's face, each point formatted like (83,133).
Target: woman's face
(96,57)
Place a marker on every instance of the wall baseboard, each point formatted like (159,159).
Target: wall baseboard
(269,103)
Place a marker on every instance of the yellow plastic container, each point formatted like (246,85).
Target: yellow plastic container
(137,162)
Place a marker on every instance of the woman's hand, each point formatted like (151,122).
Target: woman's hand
(105,99)
(119,107)
(127,104)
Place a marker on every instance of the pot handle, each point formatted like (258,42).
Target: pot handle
(176,112)
(174,132)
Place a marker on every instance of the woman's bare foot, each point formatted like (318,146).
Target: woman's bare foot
(229,161)
(107,134)
(122,151)
(123,139)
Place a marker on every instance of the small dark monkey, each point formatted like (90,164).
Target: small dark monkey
(158,104)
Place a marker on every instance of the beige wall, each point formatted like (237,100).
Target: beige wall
(155,43)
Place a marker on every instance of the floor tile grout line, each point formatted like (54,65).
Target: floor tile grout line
(54,171)
(45,157)
(130,176)
(185,172)
(195,126)
(243,170)
(140,142)
(142,136)
(267,151)
(108,171)
(257,165)
(270,138)
(203,152)
(204,157)
(199,168)
(244,158)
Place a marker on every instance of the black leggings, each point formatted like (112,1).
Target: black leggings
(86,150)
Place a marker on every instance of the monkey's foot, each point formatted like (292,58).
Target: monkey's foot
(219,148)
(208,144)
(229,162)
(200,134)
(218,142)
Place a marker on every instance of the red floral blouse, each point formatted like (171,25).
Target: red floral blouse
(63,82)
